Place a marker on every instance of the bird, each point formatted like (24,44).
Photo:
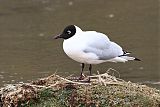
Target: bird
(91,47)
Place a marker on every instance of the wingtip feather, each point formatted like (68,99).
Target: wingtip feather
(136,59)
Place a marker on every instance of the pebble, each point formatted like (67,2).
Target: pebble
(111,15)
(70,3)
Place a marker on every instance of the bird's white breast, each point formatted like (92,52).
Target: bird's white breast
(74,50)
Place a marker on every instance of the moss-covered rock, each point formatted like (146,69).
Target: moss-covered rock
(97,96)
(55,91)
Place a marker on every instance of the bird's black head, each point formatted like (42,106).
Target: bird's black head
(68,32)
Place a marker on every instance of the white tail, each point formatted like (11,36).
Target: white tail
(123,59)
(127,58)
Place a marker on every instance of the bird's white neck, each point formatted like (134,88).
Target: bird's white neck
(78,30)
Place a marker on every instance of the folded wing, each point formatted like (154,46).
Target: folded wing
(100,45)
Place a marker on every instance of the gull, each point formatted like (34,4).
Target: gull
(91,47)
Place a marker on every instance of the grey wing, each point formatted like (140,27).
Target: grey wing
(111,50)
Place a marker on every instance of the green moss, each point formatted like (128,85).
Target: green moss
(45,98)
(93,96)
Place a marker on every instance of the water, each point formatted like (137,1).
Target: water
(28,52)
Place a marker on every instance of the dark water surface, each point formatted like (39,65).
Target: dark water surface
(27,50)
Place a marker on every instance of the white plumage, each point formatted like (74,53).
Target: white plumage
(92,47)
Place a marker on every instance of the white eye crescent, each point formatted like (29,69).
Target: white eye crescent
(69,32)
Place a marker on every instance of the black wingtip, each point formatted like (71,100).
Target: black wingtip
(136,59)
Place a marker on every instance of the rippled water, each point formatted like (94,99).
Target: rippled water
(27,50)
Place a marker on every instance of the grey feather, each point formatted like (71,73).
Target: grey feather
(112,50)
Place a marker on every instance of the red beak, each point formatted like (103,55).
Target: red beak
(56,37)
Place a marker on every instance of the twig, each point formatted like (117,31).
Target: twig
(73,81)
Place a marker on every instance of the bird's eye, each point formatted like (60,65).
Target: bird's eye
(68,32)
